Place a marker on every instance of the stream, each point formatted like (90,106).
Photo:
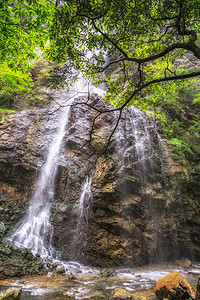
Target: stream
(137,282)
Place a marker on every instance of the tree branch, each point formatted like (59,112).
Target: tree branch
(191,46)
(113,131)
(163,79)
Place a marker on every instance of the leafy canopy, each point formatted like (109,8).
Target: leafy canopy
(126,36)
(23,26)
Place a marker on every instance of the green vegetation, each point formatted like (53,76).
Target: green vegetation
(176,106)
(18,262)
(139,43)
(23,90)
(24,25)
(12,83)
(132,178)
(133,34)
(136,36)
(2,230)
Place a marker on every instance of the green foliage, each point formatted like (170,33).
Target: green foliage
(178,114)
(131,34)
(4,112)
(24,25)
(19,90)
(39,96)
(140,40)
(12,83)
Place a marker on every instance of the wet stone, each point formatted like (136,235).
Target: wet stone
(174,286)
(12,293)
(184,262)
(120,293)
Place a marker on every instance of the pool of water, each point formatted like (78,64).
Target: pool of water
(138,282)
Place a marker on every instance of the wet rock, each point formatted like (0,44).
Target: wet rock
(184,262)
(194,273)
(120,293)
(16,262)
(12,293)
(198,291)
(106,273)
(174,286)
(128,224)
(60,271)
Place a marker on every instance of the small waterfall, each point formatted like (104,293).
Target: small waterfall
(142,170)
(36,232)
(135,145)
(85,201)
(142,143)
(84,209)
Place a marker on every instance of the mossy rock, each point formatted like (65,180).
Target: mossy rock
(12,293)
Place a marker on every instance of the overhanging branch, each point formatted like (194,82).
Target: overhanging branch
(158,80)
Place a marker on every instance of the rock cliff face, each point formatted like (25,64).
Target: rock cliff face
(135,213)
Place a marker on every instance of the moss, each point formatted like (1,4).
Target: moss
(18,262)
(9,216)
(132,178)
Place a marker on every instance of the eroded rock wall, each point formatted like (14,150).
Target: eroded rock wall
(135,216)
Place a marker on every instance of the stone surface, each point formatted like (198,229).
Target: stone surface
(173,286)
(198,290)
(184,262)
(135,216)
(12,293)
(120,293)
(16,262)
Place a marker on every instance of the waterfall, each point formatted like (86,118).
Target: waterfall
(84,202)
(142,143)
(140,153)
(36,231)
(135,146)
(84,210)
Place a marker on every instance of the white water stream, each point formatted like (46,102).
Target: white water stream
(84,210)
(36,231)
(85,200)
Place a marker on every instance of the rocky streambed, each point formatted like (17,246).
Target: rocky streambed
(130,283)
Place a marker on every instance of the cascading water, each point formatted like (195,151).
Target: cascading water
(134,142)
(84,202)
(36,231)
(143,167)
(143,145)
(84,209)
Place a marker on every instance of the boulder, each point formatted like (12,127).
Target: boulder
(12,293)
(184,262)
(120,293)
(174,287)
